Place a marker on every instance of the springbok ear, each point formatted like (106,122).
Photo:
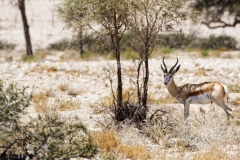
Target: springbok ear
(176,69)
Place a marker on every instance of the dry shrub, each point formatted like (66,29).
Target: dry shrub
(70,89)
(39,97)
(50,93)
(63,86)
(107,141)
(132,152)
(68,105)
(201,72)
(74,90)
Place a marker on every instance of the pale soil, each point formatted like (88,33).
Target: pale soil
(90,80)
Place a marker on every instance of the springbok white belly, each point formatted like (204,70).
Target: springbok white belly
(201,99)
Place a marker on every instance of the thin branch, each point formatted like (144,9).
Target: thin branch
(224,24)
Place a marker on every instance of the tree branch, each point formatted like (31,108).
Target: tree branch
(224,24)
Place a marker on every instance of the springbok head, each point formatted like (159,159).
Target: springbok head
(169,74)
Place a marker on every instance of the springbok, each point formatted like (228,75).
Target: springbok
(202,93)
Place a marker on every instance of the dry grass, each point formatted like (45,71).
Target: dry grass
(214,153)
(109,144)
(40,69)
(74,90)
(165,99)
(71,89)
(234,88)
(132,152)
(71,72)
(39,97)
(68,105)
(44,101)
(201,72)
(40,101)
(63,86)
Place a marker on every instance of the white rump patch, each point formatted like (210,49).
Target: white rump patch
(225,89)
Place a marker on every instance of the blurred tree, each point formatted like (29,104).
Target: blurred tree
(151,19)
(218,13)
(21,5)
(73,12)
(110,19)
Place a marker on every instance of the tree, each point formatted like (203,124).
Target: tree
(21,5)
(151,19)
(112,16)
(72,12)
(218,13)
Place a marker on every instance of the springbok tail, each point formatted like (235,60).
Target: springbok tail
(226,91)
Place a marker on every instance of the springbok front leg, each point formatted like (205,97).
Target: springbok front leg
(186,109)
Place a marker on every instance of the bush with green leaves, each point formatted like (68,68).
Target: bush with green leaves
(44,137)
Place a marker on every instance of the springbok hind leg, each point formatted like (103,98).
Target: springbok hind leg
(226,109)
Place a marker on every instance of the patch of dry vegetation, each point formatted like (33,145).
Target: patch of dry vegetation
(40,69)
(234,88)
(70,89)
(43,102)
(214,153)
(201,72)
(109,144)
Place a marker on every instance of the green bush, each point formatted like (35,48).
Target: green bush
(61,45)
(176,41)
(180,41)
(45,137)
(215,42)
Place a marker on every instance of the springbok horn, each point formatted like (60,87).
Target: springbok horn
(170,71)
(165,67)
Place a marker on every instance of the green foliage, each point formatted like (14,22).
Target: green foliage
(28,58)
(129,53)
(60,45)
(177,41)
(167,50)
(13,101)
(215,42)
(58,139)
(204,53)
(45,137)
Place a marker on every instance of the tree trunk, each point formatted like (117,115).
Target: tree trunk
(116,42)
(21,4)
(81,47)
(145,86)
